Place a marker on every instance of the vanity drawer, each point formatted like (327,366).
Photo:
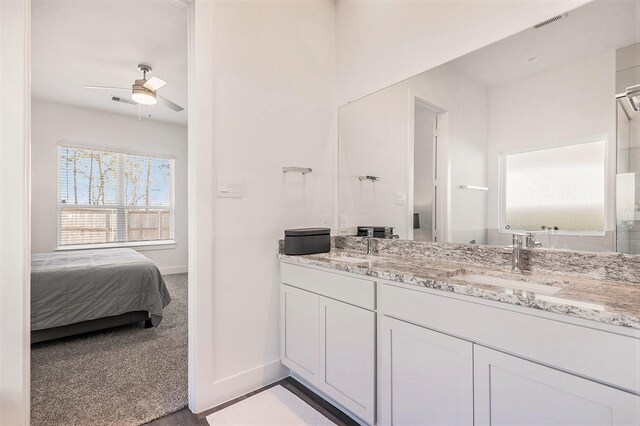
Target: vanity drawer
(606,357)
(355,291)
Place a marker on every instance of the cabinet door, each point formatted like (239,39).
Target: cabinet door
(425,377)
(513,391)
(299,331)
(348,356)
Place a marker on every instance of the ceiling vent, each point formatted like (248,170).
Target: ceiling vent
(550,21)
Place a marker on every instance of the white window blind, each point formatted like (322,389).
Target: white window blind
(108,197)
(562,186)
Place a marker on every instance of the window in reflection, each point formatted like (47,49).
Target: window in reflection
(560,187)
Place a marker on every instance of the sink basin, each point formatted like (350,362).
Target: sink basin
(510,284)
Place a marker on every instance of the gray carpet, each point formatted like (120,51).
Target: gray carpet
(123,376)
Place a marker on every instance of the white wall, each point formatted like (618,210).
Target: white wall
(373,134)
(273,102)
(382,42)
(544,110)
(53,123)
(14,213)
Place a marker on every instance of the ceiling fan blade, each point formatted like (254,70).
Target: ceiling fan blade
(169,104)
(123,100)
(106,88)
(154,83)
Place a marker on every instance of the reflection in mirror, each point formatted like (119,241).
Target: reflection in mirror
(628,150)
(538,132)
(559,187)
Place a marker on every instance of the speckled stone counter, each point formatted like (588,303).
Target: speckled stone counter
(599,266)
(607,292)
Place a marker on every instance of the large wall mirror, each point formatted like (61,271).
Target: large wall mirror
(539,132)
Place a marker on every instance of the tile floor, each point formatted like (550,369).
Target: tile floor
(185,417)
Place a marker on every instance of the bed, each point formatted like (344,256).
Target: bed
(80,291)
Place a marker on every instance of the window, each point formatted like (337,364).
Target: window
(560,187)
(114,198)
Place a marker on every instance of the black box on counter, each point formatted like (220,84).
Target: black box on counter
(307,240)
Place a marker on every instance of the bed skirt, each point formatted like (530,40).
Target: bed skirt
(46,334)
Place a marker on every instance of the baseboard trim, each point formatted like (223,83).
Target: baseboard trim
(174,270)
(243,383)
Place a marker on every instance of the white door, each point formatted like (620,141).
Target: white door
(299,331)
(348,356)
(425,377)
(512,391)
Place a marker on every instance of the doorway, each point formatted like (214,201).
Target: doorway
(425,171)
(111,173)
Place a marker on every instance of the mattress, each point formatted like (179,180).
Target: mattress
(73,286)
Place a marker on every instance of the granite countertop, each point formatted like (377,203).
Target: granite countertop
(609,302)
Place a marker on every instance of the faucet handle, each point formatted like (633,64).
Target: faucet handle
(370,232)
(525,239)
(530,240)
(518,239)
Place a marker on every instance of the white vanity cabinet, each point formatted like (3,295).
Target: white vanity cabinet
(326,341)
(347,357)
(299,331)
(429,378)
(544,371)
(425,377)
(394,354)
(513,391)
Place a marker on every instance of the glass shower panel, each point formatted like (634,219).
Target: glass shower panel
(628,181)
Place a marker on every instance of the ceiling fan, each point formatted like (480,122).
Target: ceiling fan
(143,92)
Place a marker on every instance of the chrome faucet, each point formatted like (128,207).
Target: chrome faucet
(516,254)
(369,239)
(521,241)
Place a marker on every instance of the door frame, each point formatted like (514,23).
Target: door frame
(201,216)
(201,146)
(442,163)
(15,127)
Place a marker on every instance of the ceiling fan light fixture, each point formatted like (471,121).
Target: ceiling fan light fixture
(144,97)
(143,91)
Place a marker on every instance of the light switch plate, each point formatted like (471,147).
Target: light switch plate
(401,198)
(230,188)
